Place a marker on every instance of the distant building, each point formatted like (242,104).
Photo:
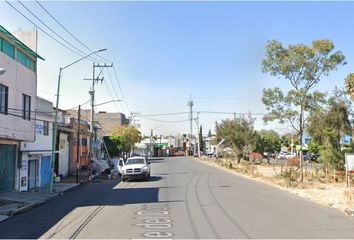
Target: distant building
(106,122)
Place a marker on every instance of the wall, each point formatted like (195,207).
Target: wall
(19,80)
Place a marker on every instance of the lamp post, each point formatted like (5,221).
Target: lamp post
(117,100)
(55,124)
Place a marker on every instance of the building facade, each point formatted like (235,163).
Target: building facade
(36,156)
(18,91)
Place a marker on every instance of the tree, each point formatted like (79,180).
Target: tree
(349,85)
(268,141)
(125,136)
(303,66)
(334,116)
(114,145)
(201,142)
(239,133)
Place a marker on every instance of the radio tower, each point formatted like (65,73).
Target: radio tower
(190,105)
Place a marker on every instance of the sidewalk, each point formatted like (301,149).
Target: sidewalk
(15,202)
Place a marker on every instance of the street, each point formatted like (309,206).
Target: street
(184,198)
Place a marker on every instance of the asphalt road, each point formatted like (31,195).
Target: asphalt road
(183,199)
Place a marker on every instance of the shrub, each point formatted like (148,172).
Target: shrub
(294,161)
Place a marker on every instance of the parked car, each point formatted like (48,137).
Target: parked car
(286,155)
(135,168)
(310,157)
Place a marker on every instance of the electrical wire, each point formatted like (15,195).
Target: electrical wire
(114,89)
(120,88)
(34,15)
(70,49)
(57,21)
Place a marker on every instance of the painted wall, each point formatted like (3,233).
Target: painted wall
(19,80)
(64,153)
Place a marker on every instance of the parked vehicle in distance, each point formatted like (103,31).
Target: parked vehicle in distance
(179,153)
(286,155)
(135,168)
(210,154)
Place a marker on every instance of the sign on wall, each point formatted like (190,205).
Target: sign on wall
(39,128)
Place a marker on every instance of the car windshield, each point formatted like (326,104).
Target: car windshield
(135,161)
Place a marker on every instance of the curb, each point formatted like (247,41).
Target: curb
(30,206)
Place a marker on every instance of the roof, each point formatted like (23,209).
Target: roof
(18,43)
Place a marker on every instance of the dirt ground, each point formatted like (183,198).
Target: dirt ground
(335,195)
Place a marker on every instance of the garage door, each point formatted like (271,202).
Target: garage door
(7,167)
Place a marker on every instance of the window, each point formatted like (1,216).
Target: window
(4,91)
(26,107)
(8,49)
(45,128)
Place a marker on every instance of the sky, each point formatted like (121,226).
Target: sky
(166,53)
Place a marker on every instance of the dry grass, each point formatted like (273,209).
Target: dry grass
(317,189)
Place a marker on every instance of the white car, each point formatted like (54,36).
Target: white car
(135,168)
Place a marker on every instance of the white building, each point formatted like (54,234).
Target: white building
(37,155)
(18,91)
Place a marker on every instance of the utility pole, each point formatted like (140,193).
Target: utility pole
(197,122)
(190,105)
(78,145)
(92,94)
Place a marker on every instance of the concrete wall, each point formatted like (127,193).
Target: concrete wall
(19,80)
(42,142)
(28,38)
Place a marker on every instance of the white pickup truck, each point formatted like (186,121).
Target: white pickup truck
(135,168)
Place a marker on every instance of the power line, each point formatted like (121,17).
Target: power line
(166,121)
(163,114)
(125,100)
(57,21)
(34,15)
(238,113)
(114,89)
(70,49)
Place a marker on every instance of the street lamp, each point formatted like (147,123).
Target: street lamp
(117,100)
(2,71)
(55,124)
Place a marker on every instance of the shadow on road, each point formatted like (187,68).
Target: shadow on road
(36,222)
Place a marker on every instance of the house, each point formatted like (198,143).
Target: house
(79,148)
(36,156)
(18,91)
(62,148)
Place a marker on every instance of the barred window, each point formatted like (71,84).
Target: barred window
(4,92)
(26,107)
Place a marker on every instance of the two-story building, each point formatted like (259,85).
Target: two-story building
(36,156)
(18,91)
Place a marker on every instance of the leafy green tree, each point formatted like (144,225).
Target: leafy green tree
(126,136)
(334,116)
(114,145)
(329,155)
(239,133)
(268,141)
(349,85)
(303,66)
(201,139)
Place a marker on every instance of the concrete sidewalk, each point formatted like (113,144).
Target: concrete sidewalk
(15,202)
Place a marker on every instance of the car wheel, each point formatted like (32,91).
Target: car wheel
(124,180)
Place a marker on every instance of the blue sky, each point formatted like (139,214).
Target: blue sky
(164,52)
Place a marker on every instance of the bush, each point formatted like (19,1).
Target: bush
(293,162)
(255,157)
